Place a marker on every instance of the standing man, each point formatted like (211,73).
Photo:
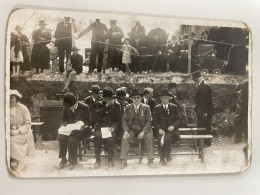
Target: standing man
(92,102)
(115,35)
(148,98)
(73,68)
(137,40)
(63,41)
(107,118)
(73,112)
(136,121)
(99,31)
(203,104)
(166,119)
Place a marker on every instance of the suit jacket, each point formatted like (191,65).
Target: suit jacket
(93,107)
(203,100)
(62,32)
(145,119)
(137,34)
(98,31)
(115,39)
(163,119)
(81,113)
(151,103)
(77,62)
(108,116)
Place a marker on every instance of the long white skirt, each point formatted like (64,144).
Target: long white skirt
(13,58)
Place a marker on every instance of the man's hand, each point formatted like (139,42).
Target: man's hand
(125,135)
(141,135)
(171,128)
(161,132)
(14,132)
(226,63)
(111,129)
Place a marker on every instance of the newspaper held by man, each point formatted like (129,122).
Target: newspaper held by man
(66,130)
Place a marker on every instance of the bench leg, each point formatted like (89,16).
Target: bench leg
(201,144)
(79,151)
(140,155)
(195,142)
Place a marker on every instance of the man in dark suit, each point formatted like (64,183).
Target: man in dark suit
(203,104)
(99,31)
(148,98)
(108,117)
(73,112)
(75,68)
(166,119)
(92,102)
(136,121)
(63,36)
(115,35)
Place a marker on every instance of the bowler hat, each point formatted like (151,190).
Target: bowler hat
(95,89)
(17,28)
(136,92)
(204,31)
(107,93)
(67,17)
(69,100)
(196,74)
(120,93)
(42,22)
(165,92)
(75,48)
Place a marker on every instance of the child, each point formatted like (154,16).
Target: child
(127,51)
(16,55)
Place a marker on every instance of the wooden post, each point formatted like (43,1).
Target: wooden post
(189,53)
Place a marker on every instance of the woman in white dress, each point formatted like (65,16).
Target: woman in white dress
(21,138)
(16,55)
(127,50)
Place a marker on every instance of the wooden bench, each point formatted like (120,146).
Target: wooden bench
(201,139)
(35,124)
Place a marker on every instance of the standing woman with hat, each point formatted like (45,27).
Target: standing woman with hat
(16,56)
(40,53)
(21,138)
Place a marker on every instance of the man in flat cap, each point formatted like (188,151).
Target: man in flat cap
(108,118)
(63,40)
(114,35)
(99,31)
(136,121)
(92,102)
(166,119)
(203,104)
(73,112)
(73,69)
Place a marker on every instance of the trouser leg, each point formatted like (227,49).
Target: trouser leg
(148,140)
(63,146)
(125,146)
(110,147)
(61,52)
(100,58)
(206,123)
(70,79)
(168,140)
(161,148)
(97,144)
(93,56)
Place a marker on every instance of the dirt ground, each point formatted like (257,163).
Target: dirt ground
(223,157)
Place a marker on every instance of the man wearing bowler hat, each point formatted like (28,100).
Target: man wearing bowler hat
(74,68)
(136,121)
(73,112)
(63,36)
(99,31)
(166,119)
(92,102)
(107,120)
(203,104)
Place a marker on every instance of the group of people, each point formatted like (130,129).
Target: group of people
(126,117)
(139,52)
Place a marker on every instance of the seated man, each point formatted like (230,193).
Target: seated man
(73,112)
(73,68)
(108,117)
(166,119)
(136,121)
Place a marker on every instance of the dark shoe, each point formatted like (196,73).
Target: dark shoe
(110,164)
(63,162)
(72,166)
(151,164)
(97,164)
(162,163)
(123,164)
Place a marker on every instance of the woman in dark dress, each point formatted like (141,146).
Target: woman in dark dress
(40,53)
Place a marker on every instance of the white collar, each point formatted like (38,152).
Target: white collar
(166,106)
(201,81)
(136,106)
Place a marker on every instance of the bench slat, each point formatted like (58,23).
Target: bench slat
(196,136)
(193,129)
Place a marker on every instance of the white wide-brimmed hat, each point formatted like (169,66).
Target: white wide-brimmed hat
(15,92)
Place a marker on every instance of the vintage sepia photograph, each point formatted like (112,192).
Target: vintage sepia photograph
(116,94)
